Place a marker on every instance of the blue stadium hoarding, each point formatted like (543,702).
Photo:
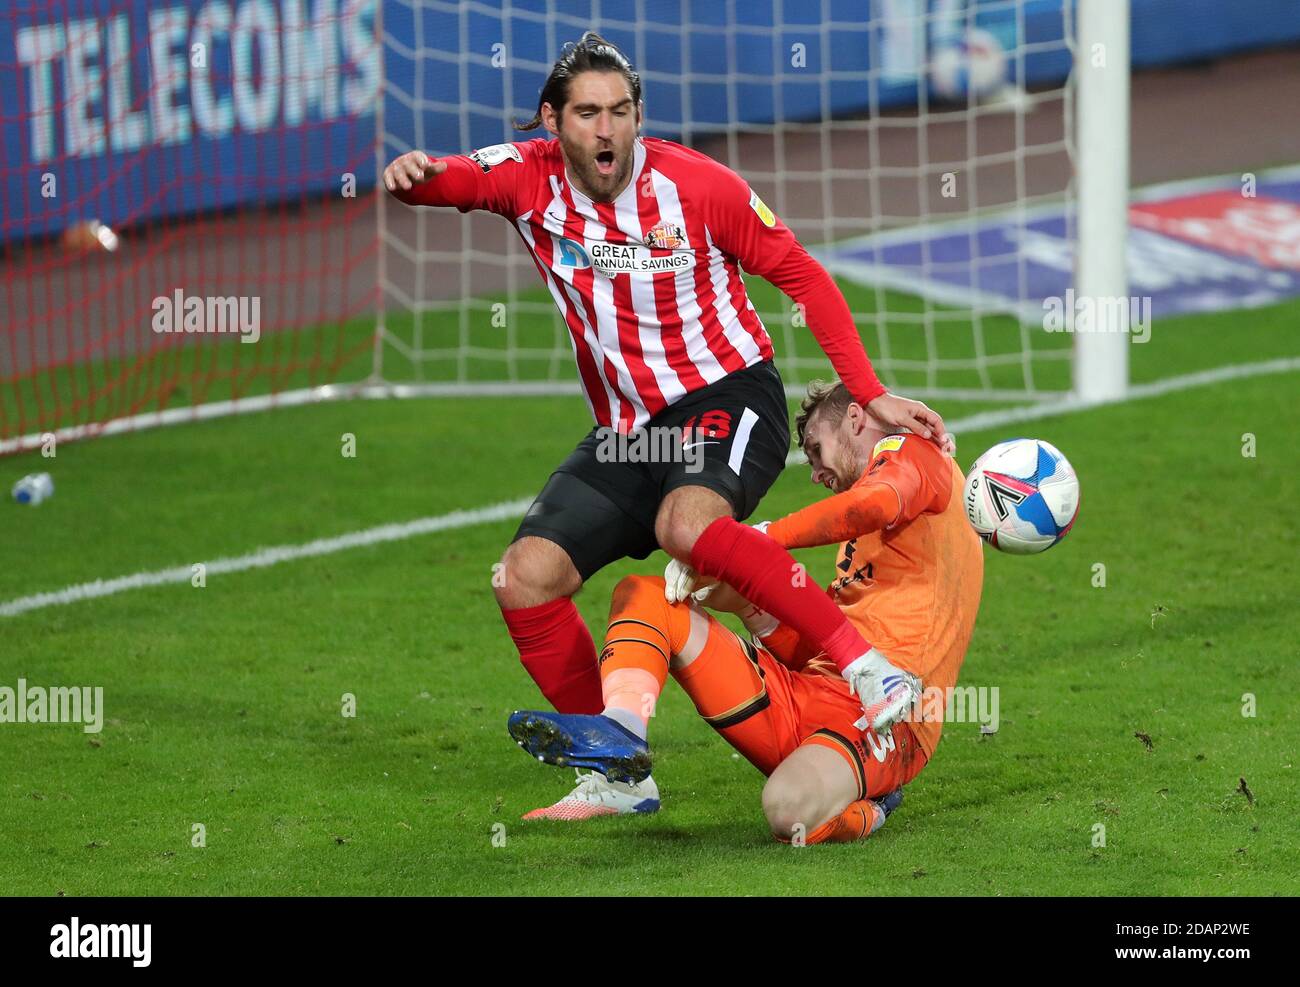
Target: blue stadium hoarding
(130,111)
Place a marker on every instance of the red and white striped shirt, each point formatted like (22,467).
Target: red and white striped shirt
(649,285)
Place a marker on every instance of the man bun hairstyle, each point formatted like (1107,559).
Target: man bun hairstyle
(591,53)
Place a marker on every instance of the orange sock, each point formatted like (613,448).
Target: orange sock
(857,822)
(638,647)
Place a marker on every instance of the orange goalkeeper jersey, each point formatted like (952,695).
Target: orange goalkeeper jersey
(910,569)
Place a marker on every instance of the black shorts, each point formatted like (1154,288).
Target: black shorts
(600,503)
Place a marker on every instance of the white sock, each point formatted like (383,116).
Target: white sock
(626,718)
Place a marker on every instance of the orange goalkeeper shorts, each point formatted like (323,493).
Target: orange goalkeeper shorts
(766,711)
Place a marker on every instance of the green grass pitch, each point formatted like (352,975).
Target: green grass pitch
(223,704)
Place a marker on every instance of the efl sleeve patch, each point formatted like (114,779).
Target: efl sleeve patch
(489,157)
(890,443)
(760,207)
(729,206)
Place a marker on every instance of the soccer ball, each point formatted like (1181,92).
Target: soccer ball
(1022,496)
(975,66)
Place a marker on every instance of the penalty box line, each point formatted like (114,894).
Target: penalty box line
(507,510)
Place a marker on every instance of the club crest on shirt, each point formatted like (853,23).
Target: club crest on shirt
(489,157)
(666,236)
(760,207)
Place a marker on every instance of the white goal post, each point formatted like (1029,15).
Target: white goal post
(1102,156)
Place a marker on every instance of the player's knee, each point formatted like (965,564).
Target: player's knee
(631,590)
(674,535)
(533,571)
(683,516)
(789,810)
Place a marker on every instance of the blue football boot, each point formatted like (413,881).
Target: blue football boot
(883,807)
(577,740)
(888,803)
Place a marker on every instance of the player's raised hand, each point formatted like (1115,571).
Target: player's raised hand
(914,416)
(410,169)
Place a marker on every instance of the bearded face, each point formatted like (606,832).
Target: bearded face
(597,130)
(840,452)
(832,454)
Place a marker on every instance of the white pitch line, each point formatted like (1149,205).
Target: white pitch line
(1136,392)
(264,557)
(509,509)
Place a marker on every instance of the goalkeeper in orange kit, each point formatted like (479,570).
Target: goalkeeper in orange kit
(908,576)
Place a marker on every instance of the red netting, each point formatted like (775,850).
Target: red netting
(211,146)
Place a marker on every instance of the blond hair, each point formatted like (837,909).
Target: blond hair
(830,398)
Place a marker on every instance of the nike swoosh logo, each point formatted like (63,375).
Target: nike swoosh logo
(692,445)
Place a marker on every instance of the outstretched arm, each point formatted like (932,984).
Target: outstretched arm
(857,511)
(828,318)
(488,179)
(801,277)
(904,480)
(409,170)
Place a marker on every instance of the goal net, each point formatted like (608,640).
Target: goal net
(189,224)
(187,208)
(920,148)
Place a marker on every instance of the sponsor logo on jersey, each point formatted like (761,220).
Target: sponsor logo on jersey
(760,207)
(666,236)
(890,443)
(635,259)
(569,253)
(489,157)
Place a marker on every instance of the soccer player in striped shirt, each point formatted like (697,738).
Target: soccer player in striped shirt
(641,243)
